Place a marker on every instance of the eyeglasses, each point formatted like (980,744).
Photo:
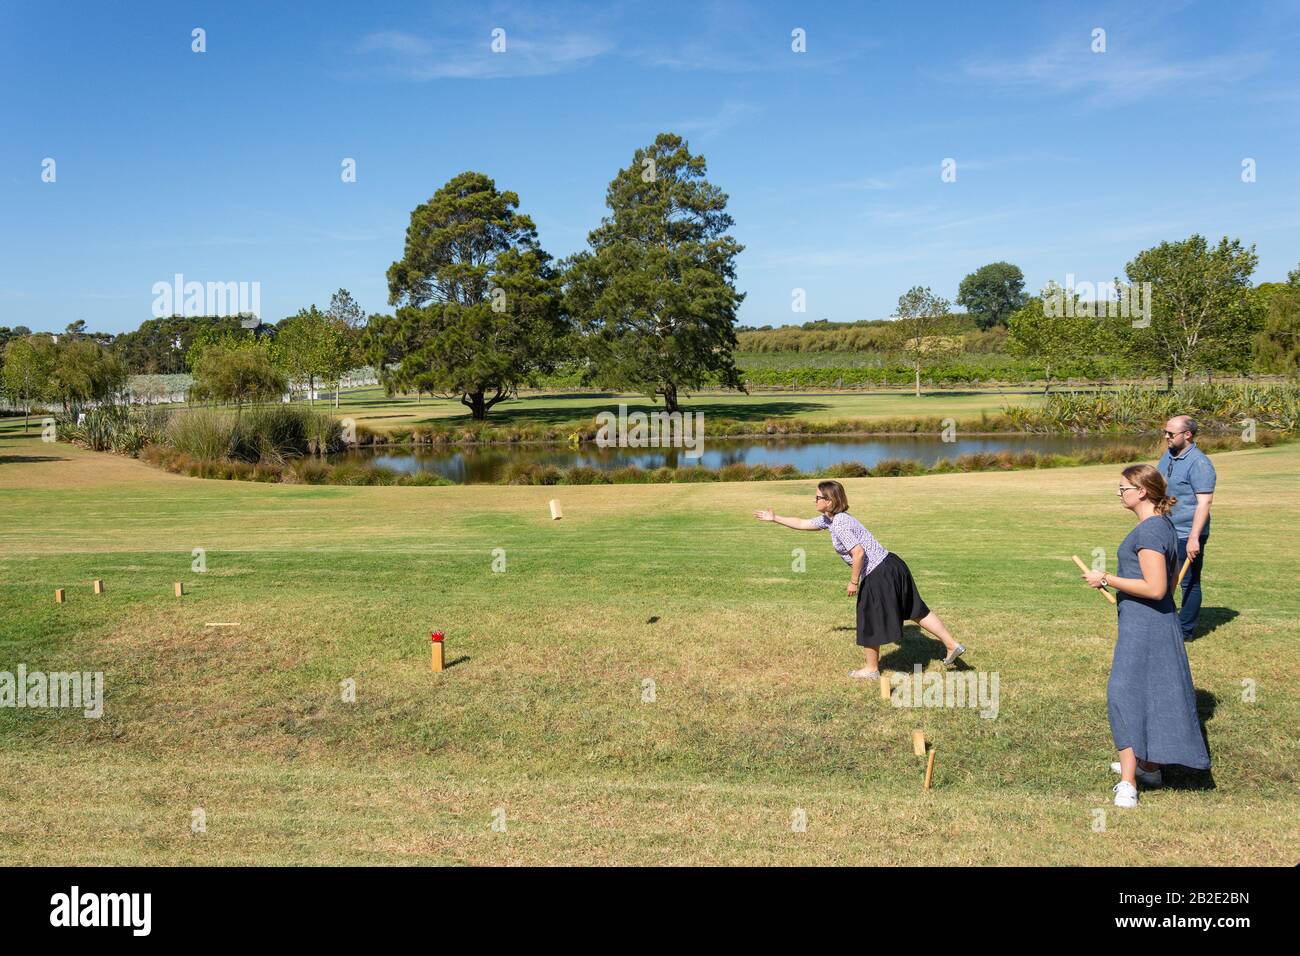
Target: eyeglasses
(820,498)
(1124,488)
(1169,434)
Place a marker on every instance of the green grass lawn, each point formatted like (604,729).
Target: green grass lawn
(541,715)
(371,407)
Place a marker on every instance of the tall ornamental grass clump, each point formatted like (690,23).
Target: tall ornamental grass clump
(117,428)
(268,434)
(1221,408)
(203,434)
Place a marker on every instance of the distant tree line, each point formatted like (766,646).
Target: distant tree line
(1205,318)
(481,310)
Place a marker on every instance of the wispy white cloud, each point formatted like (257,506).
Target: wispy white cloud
(928,172)
(412,57)
(735,36)
(1117,75)
(728,115)
(394,41)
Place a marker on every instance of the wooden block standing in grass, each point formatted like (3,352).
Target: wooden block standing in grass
(918,743)
(59,596)
(99,586)
(179,588)
(439,662)
(884,685)
(556,513)
(929,769)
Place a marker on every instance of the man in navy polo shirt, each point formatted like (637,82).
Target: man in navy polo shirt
(1190,477)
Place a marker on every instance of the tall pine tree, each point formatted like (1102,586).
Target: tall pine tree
(478,299)
(655,294)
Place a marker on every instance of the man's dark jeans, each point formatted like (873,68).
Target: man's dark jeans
(1190,609)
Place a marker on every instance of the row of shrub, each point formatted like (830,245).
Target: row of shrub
(822,337)
(796,370)
(946,374)
(1216,407)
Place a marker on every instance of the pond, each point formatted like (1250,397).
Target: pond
(481,464)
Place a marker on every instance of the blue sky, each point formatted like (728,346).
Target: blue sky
(225,165)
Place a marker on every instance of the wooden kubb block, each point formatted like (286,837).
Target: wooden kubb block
(179,588)
(556,513)
(99,586)
(918,743)
(59,596)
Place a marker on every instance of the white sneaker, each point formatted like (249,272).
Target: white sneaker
(1148,778)
(1126,795)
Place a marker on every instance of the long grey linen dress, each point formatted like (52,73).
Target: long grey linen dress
(1150,696)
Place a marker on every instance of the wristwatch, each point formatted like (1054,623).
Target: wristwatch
(1103,581)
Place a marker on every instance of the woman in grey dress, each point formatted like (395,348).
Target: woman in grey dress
(1150,696)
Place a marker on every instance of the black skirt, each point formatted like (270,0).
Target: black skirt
(886,598)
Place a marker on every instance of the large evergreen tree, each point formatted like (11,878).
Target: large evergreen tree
(655,294)
(478,310)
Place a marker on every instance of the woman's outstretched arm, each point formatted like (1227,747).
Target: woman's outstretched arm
(799,524)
